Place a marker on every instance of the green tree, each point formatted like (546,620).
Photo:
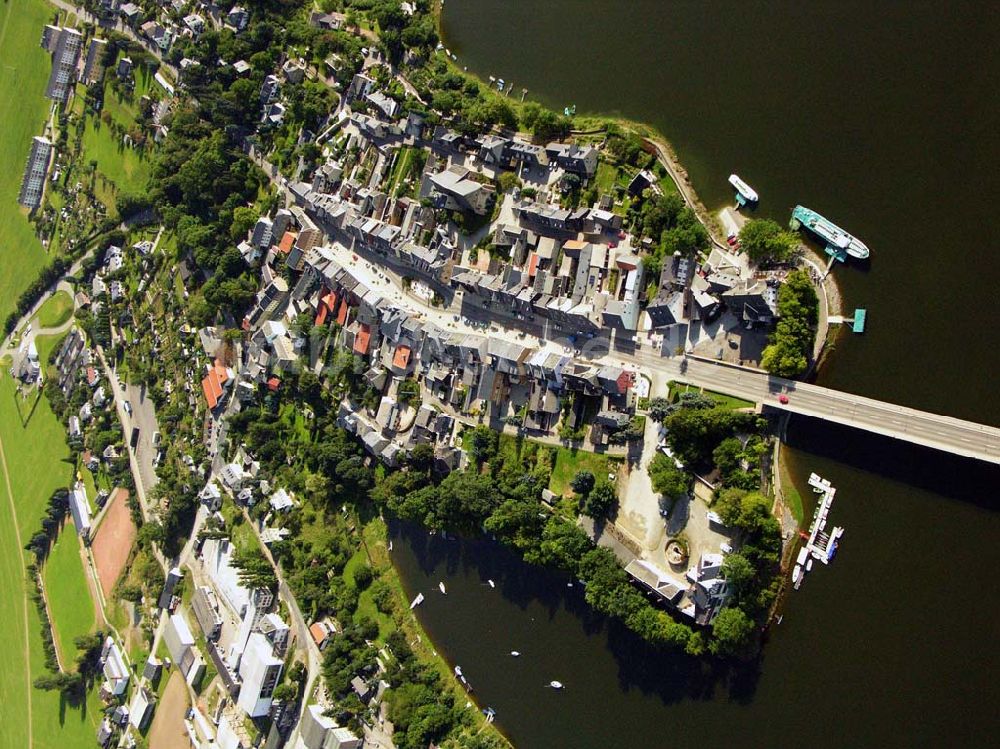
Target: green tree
(738,571)
(727,455)
(659,408)
(765,241)
(667,478)
(791,343)
(582,482)
(732,631)
(363,576)
(244,219)
(601,499)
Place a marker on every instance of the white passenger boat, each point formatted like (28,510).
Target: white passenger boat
(743,189)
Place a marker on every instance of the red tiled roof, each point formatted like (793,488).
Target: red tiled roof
(287,240)
(213,383)
(342,312)
(402,357)
(273,384)
(625,381)
(532,263)
(362,340)
(212,388)
(329,299)
(321,314)
(318,632)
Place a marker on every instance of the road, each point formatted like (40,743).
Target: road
(946,433)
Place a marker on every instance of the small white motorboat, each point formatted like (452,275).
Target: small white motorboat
(491,583)
(556,684)
(515,653)
(458,671)
(441,588)
(417,601)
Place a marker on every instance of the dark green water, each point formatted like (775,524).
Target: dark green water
(884,117)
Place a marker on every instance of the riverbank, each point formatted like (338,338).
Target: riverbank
(656,141)
(376,543)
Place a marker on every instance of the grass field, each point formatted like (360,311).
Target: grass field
(24,71)
(35,463)
(676,388)
(57,309)
(70,604)
(124,167)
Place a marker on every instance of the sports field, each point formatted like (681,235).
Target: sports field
(70,603)
(113,542)
(24,71)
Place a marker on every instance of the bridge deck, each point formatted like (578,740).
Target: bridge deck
(946,433)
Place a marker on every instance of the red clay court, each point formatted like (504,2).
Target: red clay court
(113,541)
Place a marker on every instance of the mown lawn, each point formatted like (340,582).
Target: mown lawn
(46,344)
(570,461)
(729,401)
(70,603)
(57,309)
(24,71)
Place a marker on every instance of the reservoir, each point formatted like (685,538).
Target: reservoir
(884,118)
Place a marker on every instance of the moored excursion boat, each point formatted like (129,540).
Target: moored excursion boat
(744,193)
(838,242)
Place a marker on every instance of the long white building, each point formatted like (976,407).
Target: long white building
(33,182)
(65,46)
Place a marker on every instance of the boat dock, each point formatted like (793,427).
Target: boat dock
(857,322)
(820,545)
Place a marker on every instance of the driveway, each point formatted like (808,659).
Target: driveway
(639,508)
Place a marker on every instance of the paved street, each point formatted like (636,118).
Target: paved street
(900,422)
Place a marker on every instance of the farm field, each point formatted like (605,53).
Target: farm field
(24,71)
(33,463)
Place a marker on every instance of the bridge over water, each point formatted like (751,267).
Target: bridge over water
(945,433)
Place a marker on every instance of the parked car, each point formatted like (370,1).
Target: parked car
(783,398)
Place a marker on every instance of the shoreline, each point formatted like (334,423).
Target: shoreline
(828,290)
(594,123)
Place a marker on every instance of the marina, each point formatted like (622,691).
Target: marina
(819,545)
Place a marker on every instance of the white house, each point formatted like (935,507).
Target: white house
(79,508)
